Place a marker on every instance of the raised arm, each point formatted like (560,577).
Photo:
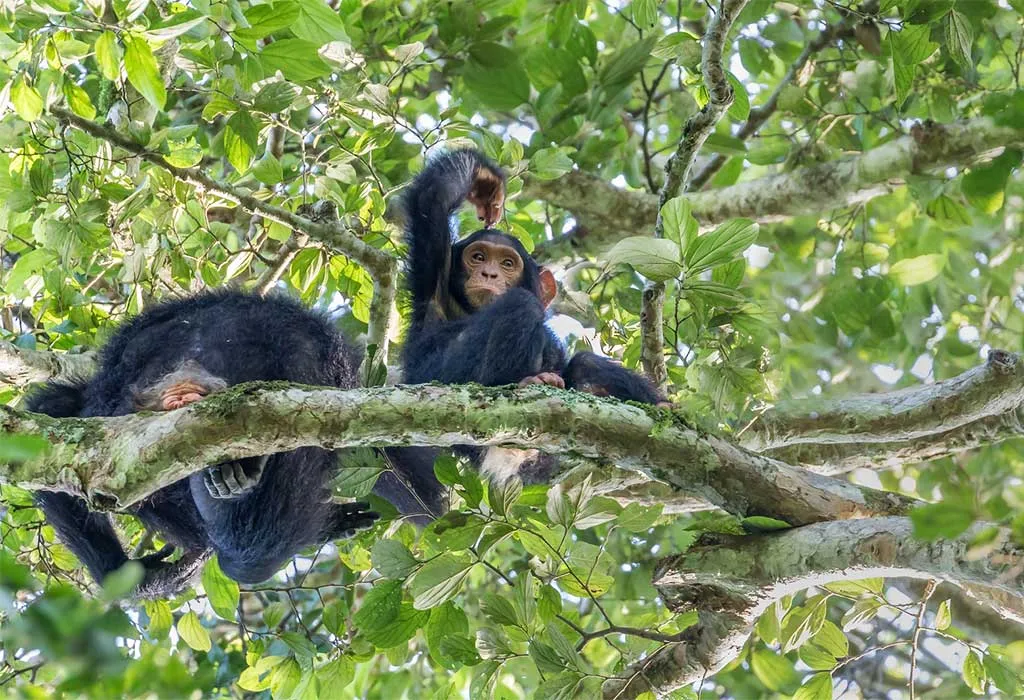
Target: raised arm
(433,197)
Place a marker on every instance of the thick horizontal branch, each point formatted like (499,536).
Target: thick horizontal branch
(117,461)
(19,366)
(606,213)
(981,406)
(734,580)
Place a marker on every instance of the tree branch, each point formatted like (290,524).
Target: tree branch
(381,265)
(19,366)
(759,115)
(115,462)
(677,171)
(608,213)
(980,406)
(732,581)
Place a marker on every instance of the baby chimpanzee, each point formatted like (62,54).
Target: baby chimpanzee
(255,513)
(479,306)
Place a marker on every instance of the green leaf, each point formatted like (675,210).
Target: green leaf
(143,72)
(120,582)
(297,59)
(912,271)
(863,611)
(621,67)
(399,630)
(802,623)
(318,23)
(762,523)
(984,186)
(943,617)
(193,633)
(393,559)
(221,591)
(740,107)
(439,579)
(446,469)
(974,673)
(678,224)
(358,473)
(495,76)
(816,658)
(380,607)
(639,518)
(241,138)
(446,621)
(499,610)
(909,48)
(550,163)
(505,495)
(656,259)
(21,448)
(675,45)
(27,101)
(78,100)
(268,170)
(940,521)
(645,13)
(275,97)
(817,687)
(832,639)
(959,39)
(160,619)
(857,588)
(335,676)
(774,670)
(721,246)
(108,56)
(175,25)
(129,10)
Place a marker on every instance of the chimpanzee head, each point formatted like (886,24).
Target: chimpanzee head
(488,263)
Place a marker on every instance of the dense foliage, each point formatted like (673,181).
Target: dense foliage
(531,592)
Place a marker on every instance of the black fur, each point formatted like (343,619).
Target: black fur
(239,338)
(505,341)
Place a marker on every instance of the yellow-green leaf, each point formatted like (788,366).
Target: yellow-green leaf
(192,631)
(143,72)
(221,591)
(108,56)
(78,100)
(911,271)
(26,100)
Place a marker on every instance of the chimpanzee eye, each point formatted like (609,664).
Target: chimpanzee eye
(507,262)
(478,257)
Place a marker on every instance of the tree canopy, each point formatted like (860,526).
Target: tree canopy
(801,218)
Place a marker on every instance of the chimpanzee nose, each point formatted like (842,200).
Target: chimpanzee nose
(491,274)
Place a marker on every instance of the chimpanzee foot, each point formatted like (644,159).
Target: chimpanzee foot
(234,479)
(348,518)
(548,378)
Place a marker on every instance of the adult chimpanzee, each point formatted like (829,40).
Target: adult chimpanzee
(255,513)
(479,304)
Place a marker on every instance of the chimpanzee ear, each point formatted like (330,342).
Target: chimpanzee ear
(548,287)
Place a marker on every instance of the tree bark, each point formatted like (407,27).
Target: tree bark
(607,213)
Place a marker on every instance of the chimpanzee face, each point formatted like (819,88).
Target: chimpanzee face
(491,268)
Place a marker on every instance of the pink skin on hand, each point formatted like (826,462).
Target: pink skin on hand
(548,378)
(181,395)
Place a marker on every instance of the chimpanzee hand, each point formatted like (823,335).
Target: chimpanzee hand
(549,378)
(347,518)
(488,195)
(234,479)
(163,579)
